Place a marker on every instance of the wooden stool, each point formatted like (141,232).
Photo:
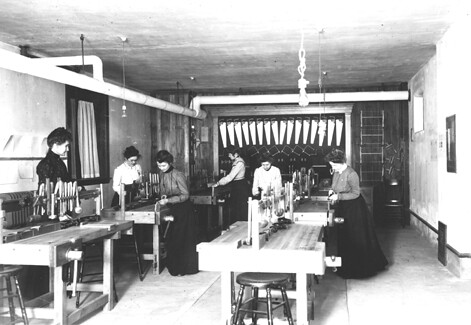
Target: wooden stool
(7,272)
(267,281)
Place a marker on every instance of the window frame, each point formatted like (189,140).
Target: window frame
(101,105)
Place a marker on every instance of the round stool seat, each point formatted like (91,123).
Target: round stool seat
(262,280)
(7,270)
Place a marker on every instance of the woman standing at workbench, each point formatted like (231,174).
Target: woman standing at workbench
(180,239)
(52,166)
(266,176)
(128,173)
(357,243)
(239,186)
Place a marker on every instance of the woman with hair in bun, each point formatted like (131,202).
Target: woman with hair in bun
(52,166)
(239,186)
(182,258)
(266,176)
(128,173)
(357,242)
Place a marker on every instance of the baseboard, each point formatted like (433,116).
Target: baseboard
(456,262)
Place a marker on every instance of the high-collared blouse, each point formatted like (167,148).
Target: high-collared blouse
(173,184)
(266,178)
(125,174)
(53,167)
(237,172)
(346,184)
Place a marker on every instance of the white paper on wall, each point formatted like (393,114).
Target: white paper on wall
(338,128)
(7,145)
(313,130)
(253,133)
(266,126)
(306,125)
(330,130)
(26,169)
(321,131)
(222,131)
(230,131)
(260,131)
(8,172)
(289,131)
(23,146)
(238,131)
(282,130)
(245,130)
(297,132)
(274,128)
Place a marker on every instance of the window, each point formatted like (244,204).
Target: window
(418,113)
(100,104)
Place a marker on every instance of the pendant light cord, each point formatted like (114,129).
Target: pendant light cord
(83,53)
(124,75)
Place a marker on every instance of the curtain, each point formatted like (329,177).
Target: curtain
(87,141)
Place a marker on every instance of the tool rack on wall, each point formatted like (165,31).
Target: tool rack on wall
(294,141)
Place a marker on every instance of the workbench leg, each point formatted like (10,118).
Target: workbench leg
(226,297)
(60,298)
(51,279)
(209,227)
(108,272)
(156,250)
(301,299)
(221,216)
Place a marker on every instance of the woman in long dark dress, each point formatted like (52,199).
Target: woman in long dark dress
(357,242)
(181,239)
(239,186)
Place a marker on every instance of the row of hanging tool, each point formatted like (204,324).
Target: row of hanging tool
(56,200)
(260,131)
(150,185)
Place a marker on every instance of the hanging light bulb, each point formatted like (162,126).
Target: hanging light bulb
(302,83)
(123,108)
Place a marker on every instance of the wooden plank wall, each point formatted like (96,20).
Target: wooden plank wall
(171,132)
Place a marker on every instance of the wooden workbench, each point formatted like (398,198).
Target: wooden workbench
(146,214)
(53,250)
(211,197)
(297,250)
(315,210)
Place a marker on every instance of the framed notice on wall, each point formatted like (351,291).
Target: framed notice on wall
(451,144)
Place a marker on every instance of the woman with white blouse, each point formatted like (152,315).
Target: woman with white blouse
(128,173)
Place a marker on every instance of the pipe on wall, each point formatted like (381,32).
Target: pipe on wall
(37,68)
(294,98)
(77,60)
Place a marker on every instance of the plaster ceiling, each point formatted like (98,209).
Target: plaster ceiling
(233,46)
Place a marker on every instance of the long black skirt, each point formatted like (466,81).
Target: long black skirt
(181,240)
(238,201)
(357,242)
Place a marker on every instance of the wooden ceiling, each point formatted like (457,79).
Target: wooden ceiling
(224,46)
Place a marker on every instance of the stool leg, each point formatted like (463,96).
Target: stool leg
(235,317)
(287,308)
(10,298)
(20,298)
(254,305)
(269,307)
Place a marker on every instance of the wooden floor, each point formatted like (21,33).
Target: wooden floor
(415,289)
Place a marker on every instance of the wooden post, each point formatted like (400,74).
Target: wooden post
(98,201)
(122,200)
